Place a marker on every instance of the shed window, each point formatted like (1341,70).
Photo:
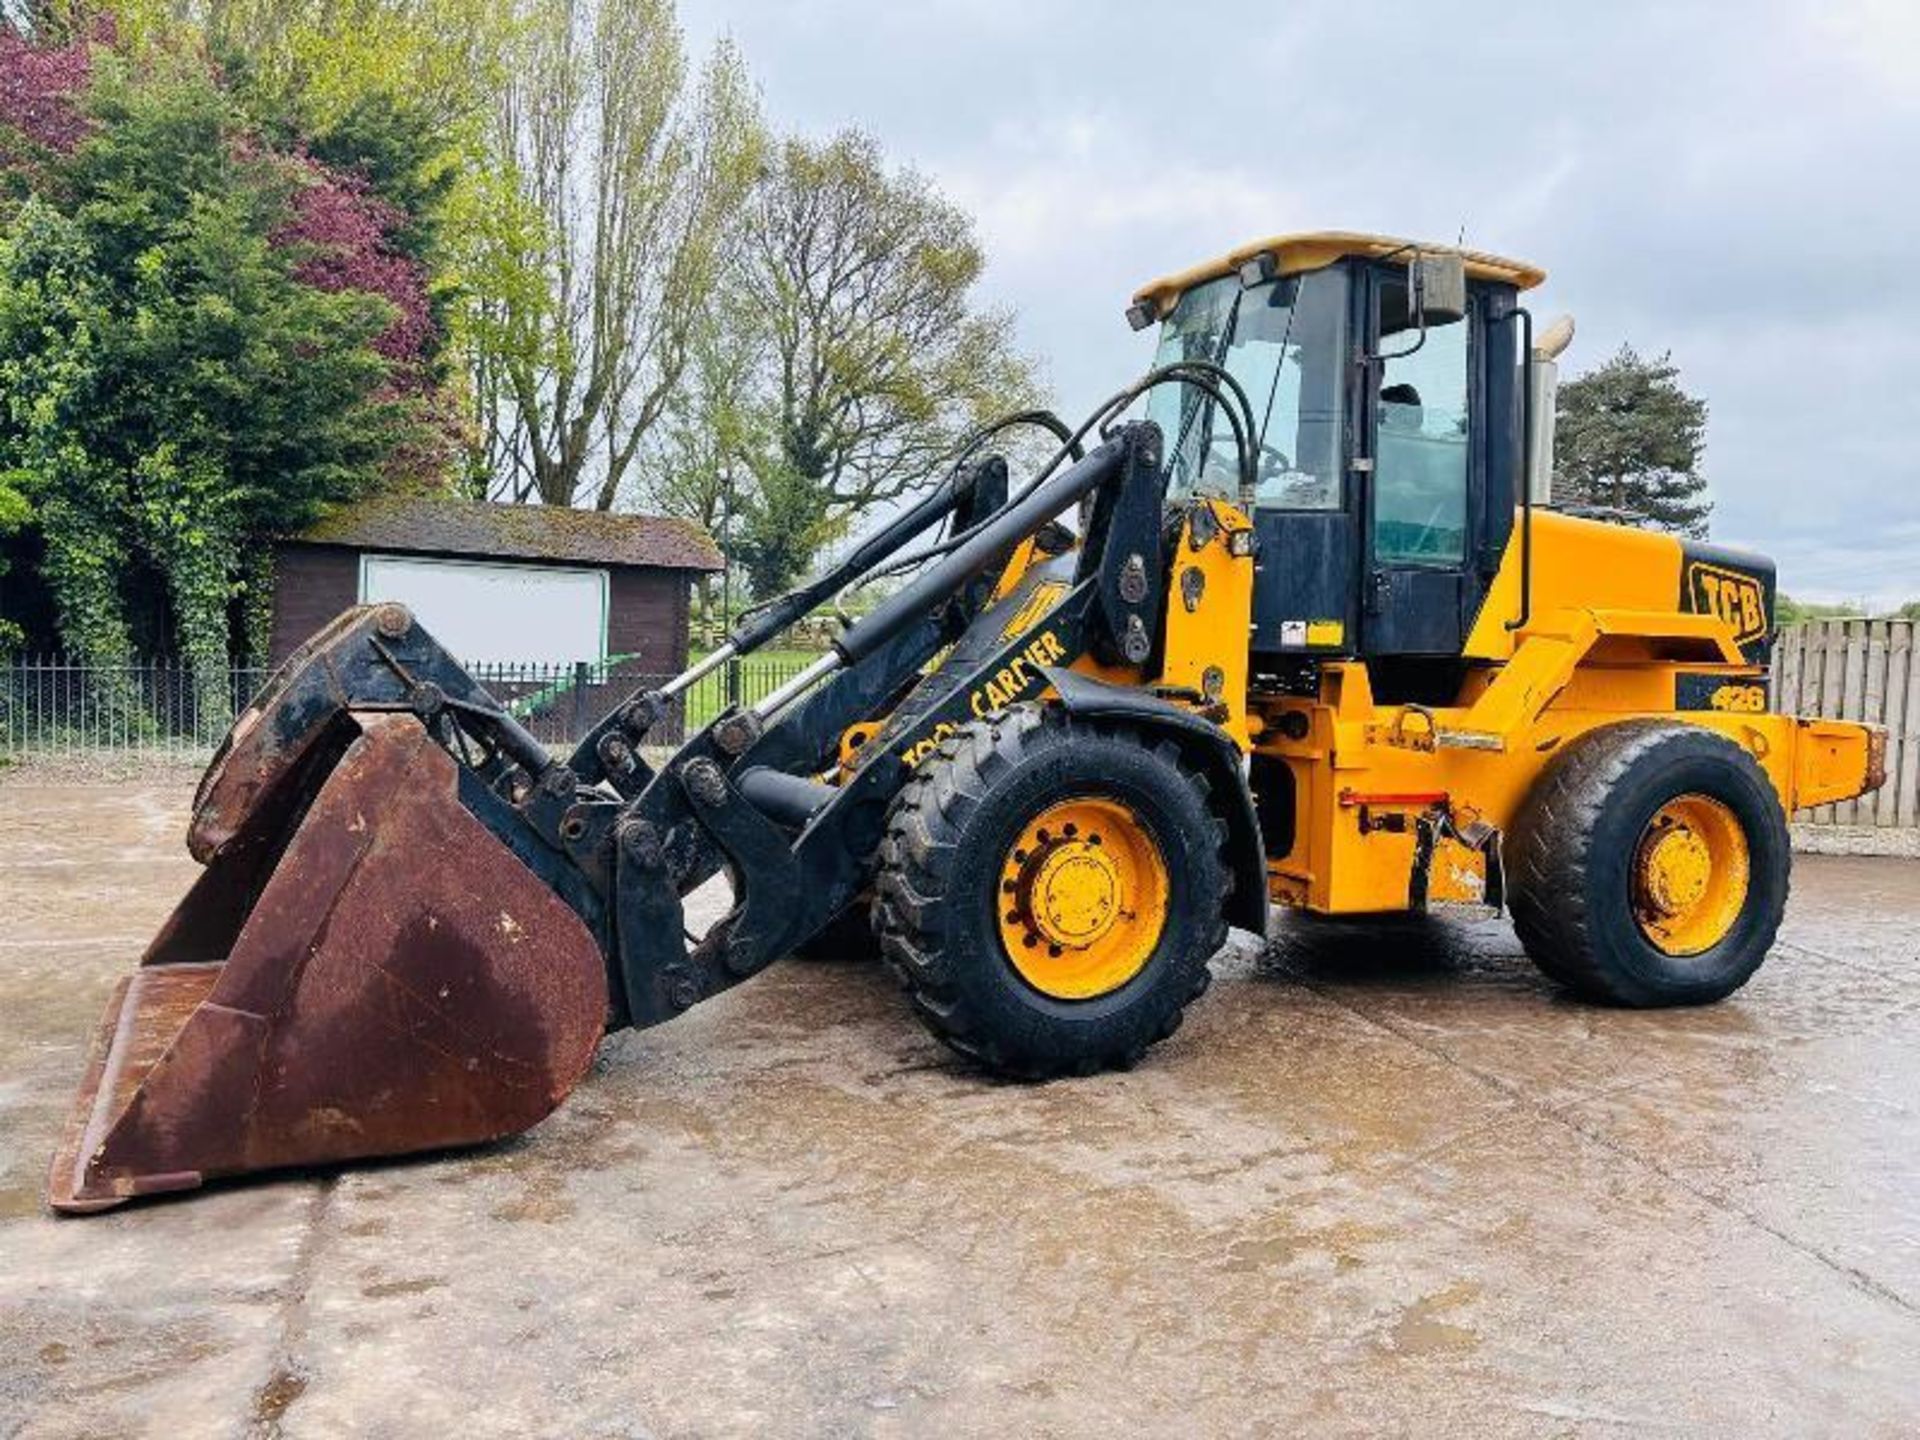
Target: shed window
(493,614)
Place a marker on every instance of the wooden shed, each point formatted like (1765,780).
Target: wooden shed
(502,584)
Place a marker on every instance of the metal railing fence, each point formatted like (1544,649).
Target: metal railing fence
(52,704)
(55,705)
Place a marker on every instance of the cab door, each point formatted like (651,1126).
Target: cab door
(1422,469)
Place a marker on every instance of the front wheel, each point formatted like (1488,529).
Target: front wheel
(1050,892)
(1650,865)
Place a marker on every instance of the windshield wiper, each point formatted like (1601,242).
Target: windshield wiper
(1279,366)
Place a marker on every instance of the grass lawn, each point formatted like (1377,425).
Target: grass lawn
(785,659)
(760,672)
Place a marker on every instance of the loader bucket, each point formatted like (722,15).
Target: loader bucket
(361,970)
(281,736)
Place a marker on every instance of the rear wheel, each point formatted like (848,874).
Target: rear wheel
(1050,893)
(1650,865)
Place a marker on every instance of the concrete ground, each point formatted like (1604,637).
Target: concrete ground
(1383,1180)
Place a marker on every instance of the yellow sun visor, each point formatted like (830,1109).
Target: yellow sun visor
(1315,249)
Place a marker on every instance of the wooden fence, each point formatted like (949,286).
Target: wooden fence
(1858,670)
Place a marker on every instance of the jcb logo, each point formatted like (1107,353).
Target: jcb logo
(1734,597)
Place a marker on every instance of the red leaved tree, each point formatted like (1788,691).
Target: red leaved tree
(40,88)
(341,234)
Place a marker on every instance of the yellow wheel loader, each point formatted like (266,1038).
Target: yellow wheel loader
(1305,633)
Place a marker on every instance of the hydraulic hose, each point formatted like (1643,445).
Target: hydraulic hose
(767,620)
(1201,374)
(968,556)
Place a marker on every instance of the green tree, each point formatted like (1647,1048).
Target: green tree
(1789,611)
(707,432)
(394,91)
(16,512)
(175,394)
(783,525)
(874,359)
(314,63)
(51,322)
(1628,438)
(624,183)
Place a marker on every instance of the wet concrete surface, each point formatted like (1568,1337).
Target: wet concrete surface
(1386,1179)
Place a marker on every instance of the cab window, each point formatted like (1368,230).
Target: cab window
(1285,342)
(1420,449)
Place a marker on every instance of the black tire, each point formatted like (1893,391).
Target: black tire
(847,937)
(1571,851)
(938,892)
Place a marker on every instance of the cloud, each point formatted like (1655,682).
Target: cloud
(1727,183)
(1880,38)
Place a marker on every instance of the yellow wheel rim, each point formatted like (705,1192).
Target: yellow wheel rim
(1082,899)
(1690,875)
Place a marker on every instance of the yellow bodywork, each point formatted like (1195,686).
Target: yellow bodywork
(1209,615)
(1395,806)
(1605,641)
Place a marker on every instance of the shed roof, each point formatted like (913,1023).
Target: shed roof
(443,526)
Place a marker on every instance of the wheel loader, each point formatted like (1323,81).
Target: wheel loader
(1288,622)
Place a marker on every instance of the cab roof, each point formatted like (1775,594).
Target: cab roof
(1313,249)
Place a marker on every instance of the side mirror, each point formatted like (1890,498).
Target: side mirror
(1437,287)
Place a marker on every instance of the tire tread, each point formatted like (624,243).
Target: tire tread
(923,835)
(1550,851)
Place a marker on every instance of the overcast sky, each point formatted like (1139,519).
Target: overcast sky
(1737,183)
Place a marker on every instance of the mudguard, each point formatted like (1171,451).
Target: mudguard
(1205,745)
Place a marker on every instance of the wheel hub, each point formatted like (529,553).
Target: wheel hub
(1083,898)
(1075,892)
(1678,865)
(1690,875)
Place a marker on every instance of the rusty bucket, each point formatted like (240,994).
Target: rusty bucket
(361,970)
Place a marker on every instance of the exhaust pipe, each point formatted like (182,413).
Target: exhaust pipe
(1543,376)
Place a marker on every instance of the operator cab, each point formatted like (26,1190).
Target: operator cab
(1385,384)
